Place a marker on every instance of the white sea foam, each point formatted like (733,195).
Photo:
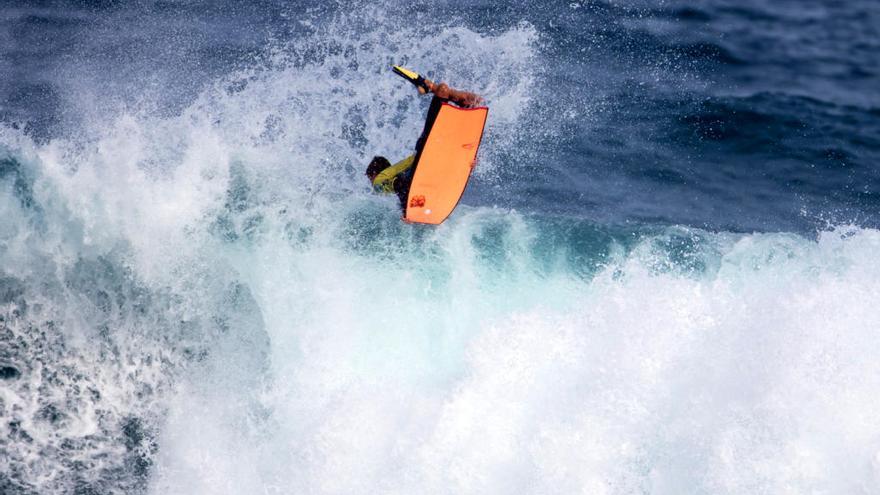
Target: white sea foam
(760,376)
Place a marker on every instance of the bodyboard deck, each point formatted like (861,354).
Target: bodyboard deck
(445,163)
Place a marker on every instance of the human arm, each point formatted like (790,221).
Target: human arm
(441,90)
(462,98)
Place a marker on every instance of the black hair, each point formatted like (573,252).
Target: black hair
(378,164)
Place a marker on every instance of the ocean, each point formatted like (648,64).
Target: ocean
(663,277)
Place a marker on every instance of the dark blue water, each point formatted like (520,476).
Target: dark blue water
(660,280)
(714,114)
(719,115)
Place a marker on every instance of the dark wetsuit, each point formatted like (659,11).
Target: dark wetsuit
(404,179)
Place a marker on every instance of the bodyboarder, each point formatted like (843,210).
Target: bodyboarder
(387,178)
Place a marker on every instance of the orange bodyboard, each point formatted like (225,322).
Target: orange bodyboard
(445,164)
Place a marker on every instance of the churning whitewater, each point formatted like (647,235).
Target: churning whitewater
(199,294)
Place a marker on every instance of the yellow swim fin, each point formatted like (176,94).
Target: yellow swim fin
(412,77)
